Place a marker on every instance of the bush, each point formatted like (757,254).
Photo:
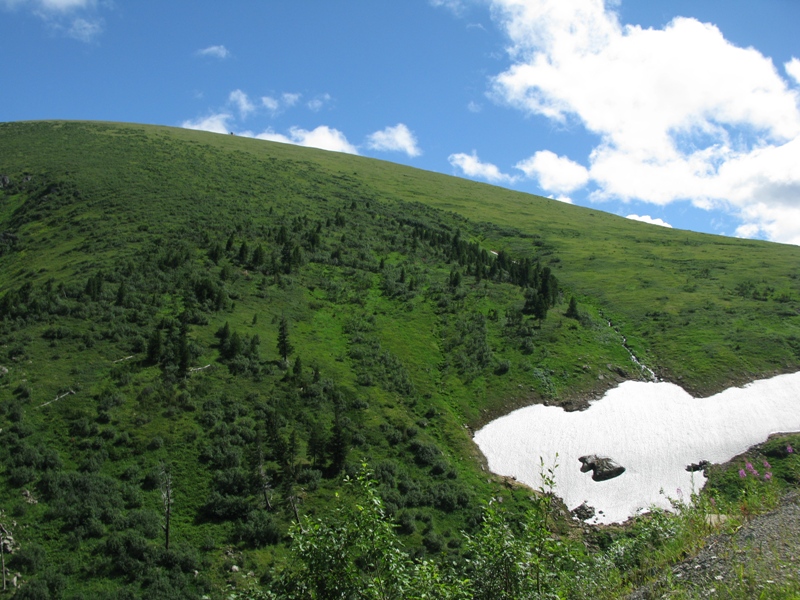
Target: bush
(28,559)
(424,454)
(260,528)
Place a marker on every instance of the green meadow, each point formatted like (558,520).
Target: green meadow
(239,326)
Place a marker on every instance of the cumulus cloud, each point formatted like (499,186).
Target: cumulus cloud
(793,69)
(394,139)
(215,123)
(471,166)
(649,219)
(241,101)
(215,52)
(323,137)
(680,113)
(555,173)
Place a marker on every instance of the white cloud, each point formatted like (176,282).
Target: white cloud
(215,52)
(793,69)
(471,166)
(555,173)
(649,219)
(680,113)
(85,30)
(748,230)
(215,123)
(290,99)
(317,103)
(270,103)
(323,137)
(474,107)
(239,99)
(394,139)
(456,6)
(276,105)
(61,16)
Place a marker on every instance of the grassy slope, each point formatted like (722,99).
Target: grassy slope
(672,293)
(702,309)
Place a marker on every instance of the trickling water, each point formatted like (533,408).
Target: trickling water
(635,360)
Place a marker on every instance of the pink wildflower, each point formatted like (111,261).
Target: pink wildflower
(767,476)
(742,474)
(789,449)
(767,465)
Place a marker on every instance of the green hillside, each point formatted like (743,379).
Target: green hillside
(255,320)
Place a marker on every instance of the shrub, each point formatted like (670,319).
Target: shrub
(260,528)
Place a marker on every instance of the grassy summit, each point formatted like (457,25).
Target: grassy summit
(255,319)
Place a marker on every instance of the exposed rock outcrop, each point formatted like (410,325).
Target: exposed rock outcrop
(583,512)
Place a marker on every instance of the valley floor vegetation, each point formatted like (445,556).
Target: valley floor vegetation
(201,346)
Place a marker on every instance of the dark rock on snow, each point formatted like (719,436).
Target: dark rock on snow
(602,467)
(701,466)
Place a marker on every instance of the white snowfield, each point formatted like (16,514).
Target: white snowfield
(654,430)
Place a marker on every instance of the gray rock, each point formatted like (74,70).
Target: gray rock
(583,512)
(602,467)
(3,371)
(4,181)
(700,466)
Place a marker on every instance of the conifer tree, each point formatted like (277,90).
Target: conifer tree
(572,311)
(285,347)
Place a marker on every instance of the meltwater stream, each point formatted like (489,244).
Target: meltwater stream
(653,429)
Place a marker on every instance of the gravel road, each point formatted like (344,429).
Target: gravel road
(760,560)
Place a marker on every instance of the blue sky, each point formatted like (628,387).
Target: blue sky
(684,113)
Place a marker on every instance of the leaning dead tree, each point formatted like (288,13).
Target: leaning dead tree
(7,546)
(166,497)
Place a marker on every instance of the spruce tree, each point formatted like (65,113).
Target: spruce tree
(572,311)
(285,347)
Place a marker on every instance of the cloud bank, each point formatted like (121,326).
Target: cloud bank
(679,113)
(397,138)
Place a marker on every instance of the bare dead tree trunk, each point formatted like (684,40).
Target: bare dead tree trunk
(5,538)
(166,497)
(266,487)
(3,559)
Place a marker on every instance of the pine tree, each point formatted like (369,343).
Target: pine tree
(572,311)
(285,347)
(298,369)
(154,347)
(244,254)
